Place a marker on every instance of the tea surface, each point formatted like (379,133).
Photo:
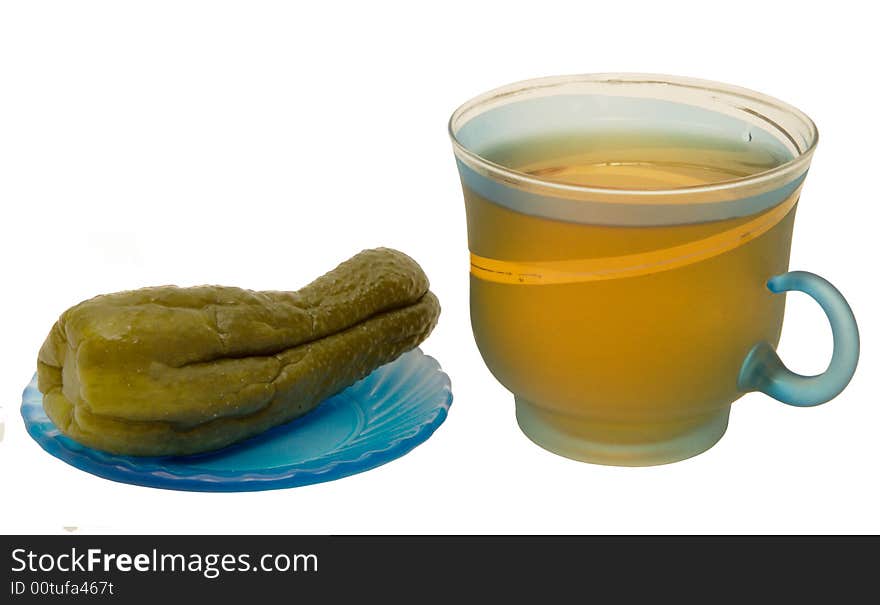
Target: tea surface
(636,161)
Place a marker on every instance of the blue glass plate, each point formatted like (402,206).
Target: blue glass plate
(372,422)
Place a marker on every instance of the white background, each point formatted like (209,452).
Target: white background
(258,144)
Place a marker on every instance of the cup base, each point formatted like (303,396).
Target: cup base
(620,444)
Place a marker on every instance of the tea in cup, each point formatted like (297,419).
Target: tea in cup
(629,240)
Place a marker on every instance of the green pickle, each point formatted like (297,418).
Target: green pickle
(173,371)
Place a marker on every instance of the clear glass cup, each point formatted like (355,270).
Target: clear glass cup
(626,321)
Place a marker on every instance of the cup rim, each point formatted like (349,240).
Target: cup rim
(795,165)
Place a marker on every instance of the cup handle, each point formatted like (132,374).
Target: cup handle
(762,370)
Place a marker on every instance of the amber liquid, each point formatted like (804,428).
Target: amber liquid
(625,334)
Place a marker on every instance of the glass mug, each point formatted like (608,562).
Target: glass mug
(630,301)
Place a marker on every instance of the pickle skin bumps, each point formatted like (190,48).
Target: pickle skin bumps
(173,371)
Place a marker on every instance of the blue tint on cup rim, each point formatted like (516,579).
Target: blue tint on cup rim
(605,104)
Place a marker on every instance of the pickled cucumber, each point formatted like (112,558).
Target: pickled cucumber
(173,371)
